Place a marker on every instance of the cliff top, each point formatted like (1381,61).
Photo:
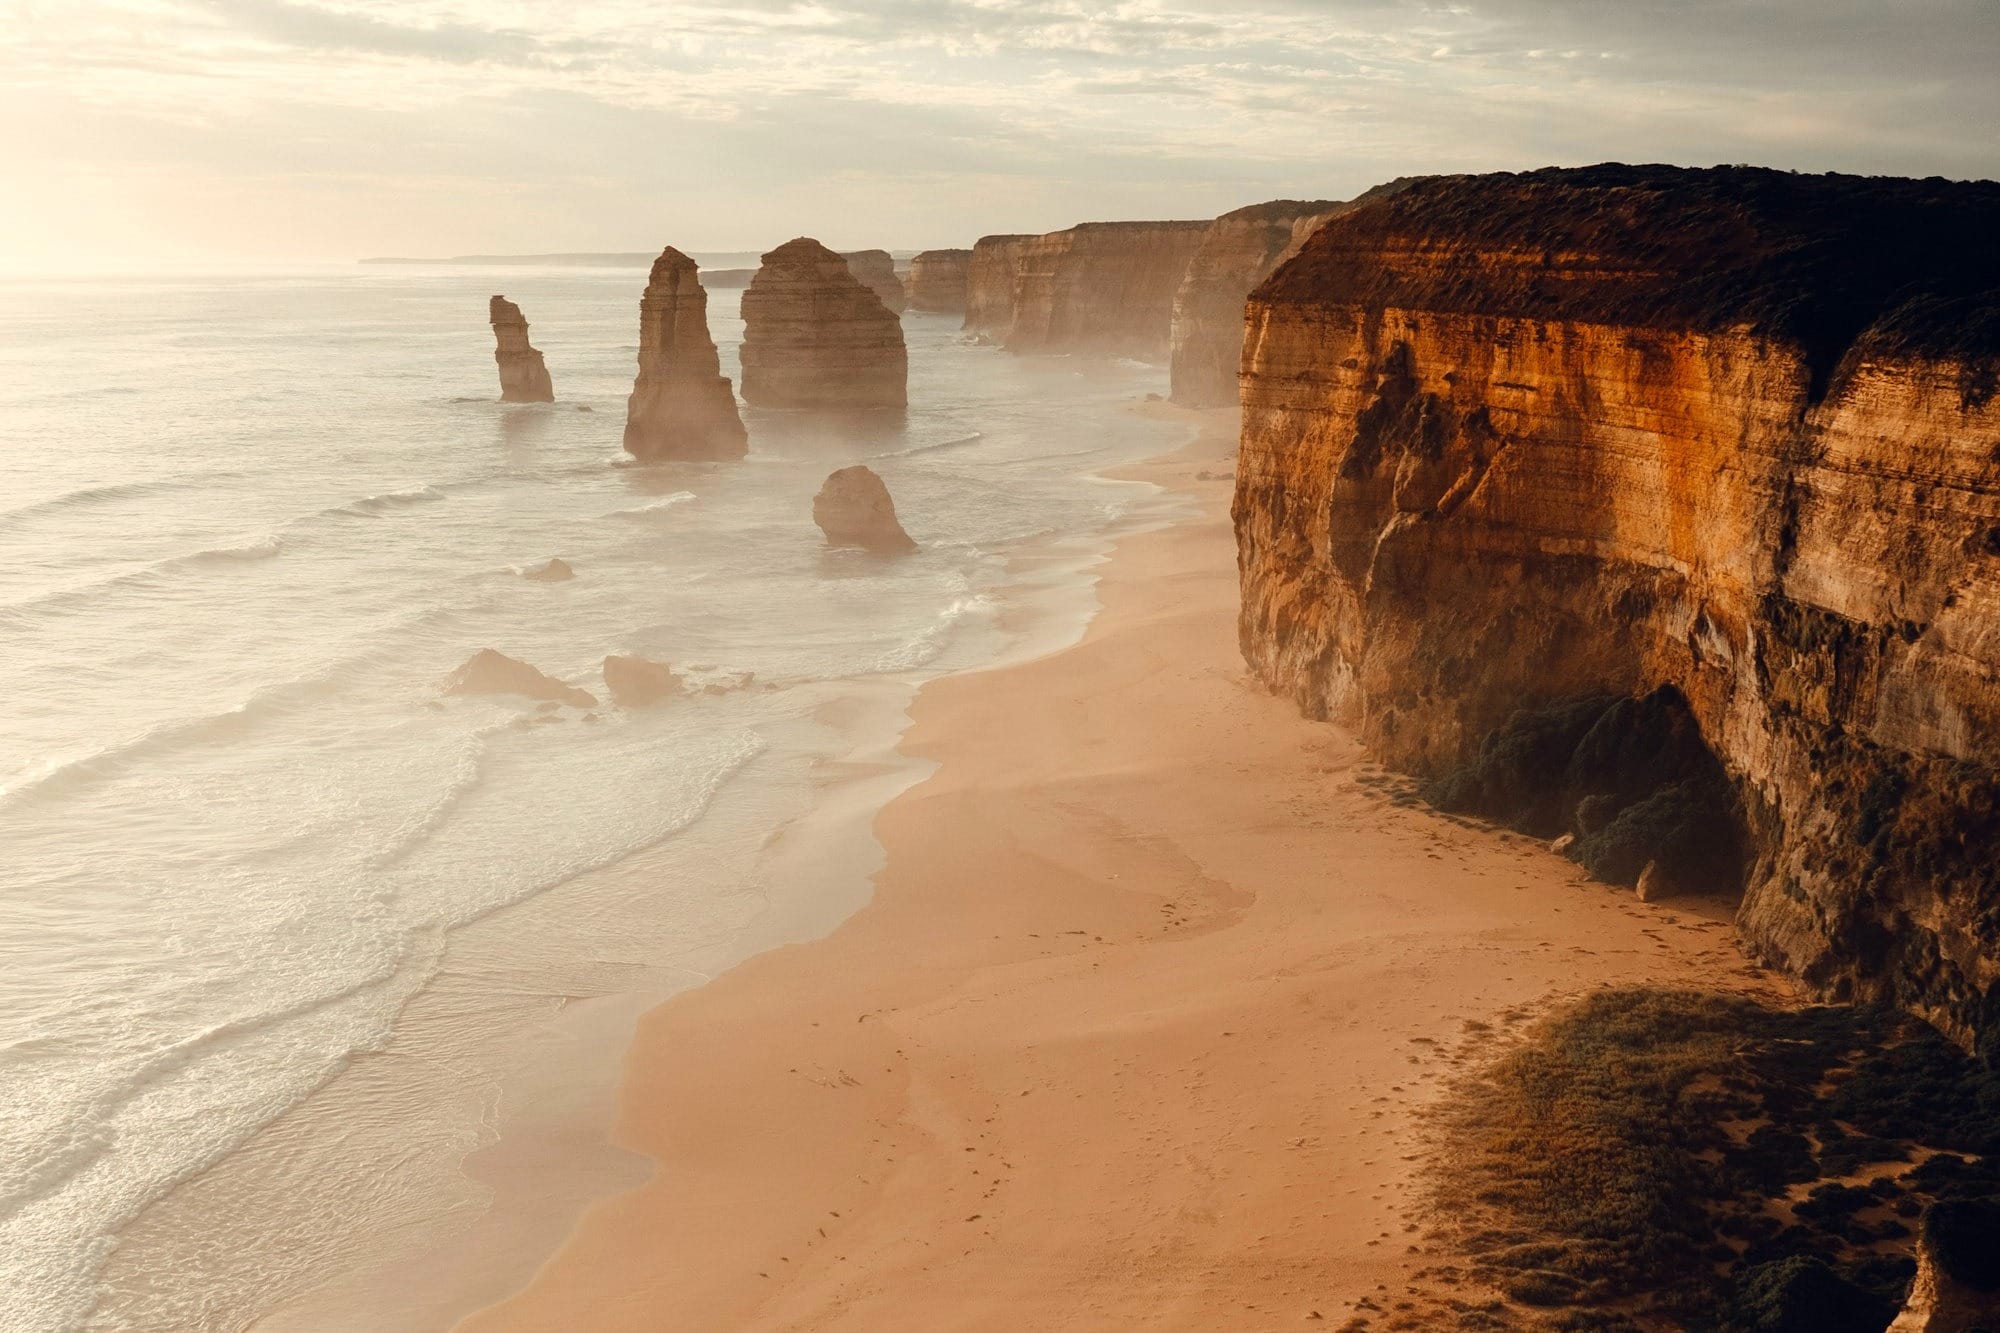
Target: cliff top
(1824,261)
(1095,228)
(1275,210)
(801,250)
(946,253)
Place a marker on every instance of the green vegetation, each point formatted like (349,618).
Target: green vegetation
(1699,1158)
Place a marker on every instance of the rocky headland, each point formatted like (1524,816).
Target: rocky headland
(1660,508)
(877,271)
(524,377)
(938,281)
(815,336)
(682,406)
(1101,287)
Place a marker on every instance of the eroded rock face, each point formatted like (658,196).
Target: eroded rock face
(815,336)
(877,271)
(1512,440)
(1104,287)
(637,682)
(989,284)
(853,508)
(523,376)
(681,406)
(938,281)
(491,672)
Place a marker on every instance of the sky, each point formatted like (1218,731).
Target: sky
(190,131)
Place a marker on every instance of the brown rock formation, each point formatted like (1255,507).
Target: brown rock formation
(556,570)
(989,284)
(877,271)
(938,280)
(1957,1287)
(490,672)
(815,336)
(1104,287)
(681,405)
(636,682)
(853,508)
(523,376)
(1512,441)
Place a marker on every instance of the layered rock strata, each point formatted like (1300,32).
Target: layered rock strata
(1510,441)
(938,281)
(682,406)
(877,271)
(524,377)
(815,336)
(989,284)
(1102,287)
(853,508)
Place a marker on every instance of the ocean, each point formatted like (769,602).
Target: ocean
(287,936)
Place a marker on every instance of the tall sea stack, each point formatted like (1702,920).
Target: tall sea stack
(815,336)
(523,376)
(1544,471)
(938,281)
(877,271)
(681,405)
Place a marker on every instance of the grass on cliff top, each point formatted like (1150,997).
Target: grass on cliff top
(1699,1158)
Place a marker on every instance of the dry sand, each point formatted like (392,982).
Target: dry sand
(1134,1033)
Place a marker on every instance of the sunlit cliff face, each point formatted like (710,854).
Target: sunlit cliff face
(198,129)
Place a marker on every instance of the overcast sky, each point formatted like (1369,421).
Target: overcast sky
(141,130)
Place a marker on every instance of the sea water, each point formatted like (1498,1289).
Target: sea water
(271,906)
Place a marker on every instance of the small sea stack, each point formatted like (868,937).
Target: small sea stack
(682,406)
(877,271)
(555,570)
(489,671)
(815,336)
(937,281)
(853,508)
(523,376)
(638,682)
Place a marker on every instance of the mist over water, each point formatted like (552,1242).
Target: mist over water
(247,525)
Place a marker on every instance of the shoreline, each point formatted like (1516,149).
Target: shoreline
(1136,1029)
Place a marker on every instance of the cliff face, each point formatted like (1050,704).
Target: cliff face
(877,271)
(681,404)
(814,336)
(1728,438)
(938,280)
(524,378)
(1105,287)
(989,283)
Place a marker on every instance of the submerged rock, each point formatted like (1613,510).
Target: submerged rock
(557,570)
(635,682)
(853,508)
(877,271)
(491,672)
(523,376)
(682,406)
(815,336)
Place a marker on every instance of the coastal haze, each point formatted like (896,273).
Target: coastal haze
(872,665)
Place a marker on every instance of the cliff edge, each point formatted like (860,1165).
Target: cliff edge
(1721,444)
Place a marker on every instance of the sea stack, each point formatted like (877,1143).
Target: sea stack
(523,376)
(937,281)
(681,406)
(989,284)
(815,336)
(877,271)
(853,508)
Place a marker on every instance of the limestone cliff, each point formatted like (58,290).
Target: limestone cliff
(989,283)
(815,336)
(523,376)
(877,271)
(681,405)
(1238,251)
(1725,439)
(938,281)
(1103,287)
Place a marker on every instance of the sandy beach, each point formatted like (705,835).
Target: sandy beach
(1136,1031)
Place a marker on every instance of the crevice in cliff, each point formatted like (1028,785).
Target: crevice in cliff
(1631,784)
